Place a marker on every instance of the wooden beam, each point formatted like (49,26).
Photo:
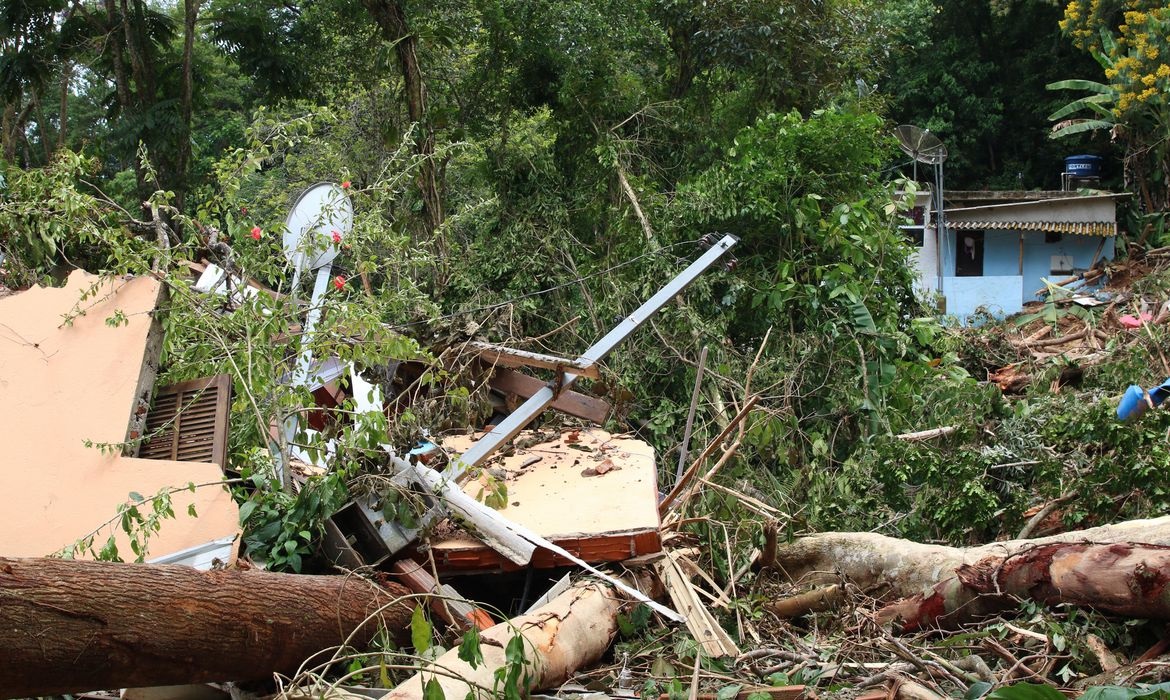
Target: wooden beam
(510,357)
(453,608)
(571,402)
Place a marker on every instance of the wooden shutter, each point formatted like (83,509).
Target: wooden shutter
(189,421)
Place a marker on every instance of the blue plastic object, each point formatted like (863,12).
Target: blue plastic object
(1134,401)
(1083,166)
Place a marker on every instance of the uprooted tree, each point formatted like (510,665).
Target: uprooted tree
(1122,568)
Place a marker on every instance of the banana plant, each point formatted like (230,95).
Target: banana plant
(1100,101)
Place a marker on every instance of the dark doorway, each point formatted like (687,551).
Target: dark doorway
(969,254)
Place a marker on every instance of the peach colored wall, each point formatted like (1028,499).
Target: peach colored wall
(63,383)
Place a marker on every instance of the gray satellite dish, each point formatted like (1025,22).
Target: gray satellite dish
(920,144)
(319,211)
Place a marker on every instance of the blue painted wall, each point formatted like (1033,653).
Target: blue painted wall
(1001,258)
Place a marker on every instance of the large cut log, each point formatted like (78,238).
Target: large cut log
(900,568)
(1126,579)
(72,626)
(941,581)
(572,631)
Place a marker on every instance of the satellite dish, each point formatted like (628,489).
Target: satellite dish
(920,144)
(308,231)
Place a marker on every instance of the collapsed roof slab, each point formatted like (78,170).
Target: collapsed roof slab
(593,493)
(72,366)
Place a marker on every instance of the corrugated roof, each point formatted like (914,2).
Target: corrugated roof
(1080,228)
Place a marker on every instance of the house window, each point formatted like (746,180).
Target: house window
(914,235)
(969,254)
(1061,265)
(1053,237)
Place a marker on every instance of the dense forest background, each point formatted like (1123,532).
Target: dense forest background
(528,171)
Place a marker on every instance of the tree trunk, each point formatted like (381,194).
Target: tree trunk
(63,117)
(390,16)
(895,568)
(571,632)
(186,99)
(1125,579)
(72,626)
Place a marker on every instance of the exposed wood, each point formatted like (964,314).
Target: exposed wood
(682,484)
(571,402)
(705,629)
(1105,657)
(927,434)
(70,626)
(902,568)
(690,424)
(805,603)
(1122,578)
(571,632)
(510,357)
(1049,342)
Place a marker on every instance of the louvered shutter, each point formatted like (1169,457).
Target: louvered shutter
(189,421)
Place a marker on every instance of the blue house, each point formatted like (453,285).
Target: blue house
(995,256)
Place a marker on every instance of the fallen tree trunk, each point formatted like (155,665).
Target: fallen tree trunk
(1126,579)
(72,626)
(570,632)
(895,568)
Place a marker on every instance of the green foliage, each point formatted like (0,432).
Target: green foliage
(48,216)
(282,529)
(1026,691)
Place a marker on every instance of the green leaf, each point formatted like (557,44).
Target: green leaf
(469,651)
(1113,692)
(246,511)
(728,692)
(977,690)
(433,691)
(1026,691)
(136,497)
(862,319)
(420,630)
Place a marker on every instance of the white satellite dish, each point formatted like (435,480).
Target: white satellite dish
(308,231)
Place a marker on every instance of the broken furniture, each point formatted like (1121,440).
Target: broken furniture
(81,360)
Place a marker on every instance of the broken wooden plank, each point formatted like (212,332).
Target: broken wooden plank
(929,434)
(447,603)
(510,357)
(703,626)
(570,402)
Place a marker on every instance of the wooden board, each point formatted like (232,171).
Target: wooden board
(570,402)
(599,517)
(67,383)
(510,357)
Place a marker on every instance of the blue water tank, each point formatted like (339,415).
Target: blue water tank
(1083,166)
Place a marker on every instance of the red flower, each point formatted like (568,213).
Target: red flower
(336,237)
(345,184)
(339,281)
(244,211)
(256,233)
